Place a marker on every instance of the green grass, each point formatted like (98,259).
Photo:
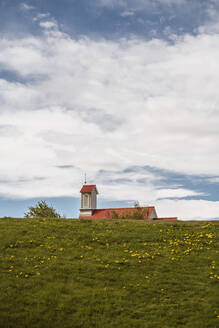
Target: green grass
(67,273)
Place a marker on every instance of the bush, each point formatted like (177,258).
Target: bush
(115,216)
(42,210)
(138,214)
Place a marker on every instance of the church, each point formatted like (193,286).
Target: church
(89,209)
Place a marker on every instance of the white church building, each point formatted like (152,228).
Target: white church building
(89,209)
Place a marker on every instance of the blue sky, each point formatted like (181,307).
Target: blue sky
(110,19)
(126,91)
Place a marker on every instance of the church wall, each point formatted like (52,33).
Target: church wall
(153,215)
(85,212)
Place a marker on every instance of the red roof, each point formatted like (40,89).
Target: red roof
(88,188)
(167,219)
(107,213)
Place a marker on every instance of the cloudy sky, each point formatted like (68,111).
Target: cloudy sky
(124,90)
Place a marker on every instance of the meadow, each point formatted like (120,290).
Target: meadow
(108,274)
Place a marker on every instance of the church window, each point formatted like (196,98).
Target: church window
(86,200)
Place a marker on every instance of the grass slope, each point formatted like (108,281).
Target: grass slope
(67,273)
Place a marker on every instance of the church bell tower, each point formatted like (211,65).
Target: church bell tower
(88,199)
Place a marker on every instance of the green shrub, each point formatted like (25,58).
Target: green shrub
(138,214)
(42,210)
(115,216)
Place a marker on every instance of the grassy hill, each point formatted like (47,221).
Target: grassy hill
(67,273)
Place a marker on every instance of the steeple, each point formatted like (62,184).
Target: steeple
(88,199)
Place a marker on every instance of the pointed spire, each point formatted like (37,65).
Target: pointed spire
(85,179)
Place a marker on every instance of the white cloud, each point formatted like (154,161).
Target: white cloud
(25,6)
(127,13)
(177,193)
(41,16)
(213,180)
(48,24)
(188,209)
(107,105)
(25,58)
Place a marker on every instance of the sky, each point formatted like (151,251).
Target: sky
(125,91)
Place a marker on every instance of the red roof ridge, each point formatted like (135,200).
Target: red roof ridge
(122,208)
(167,218)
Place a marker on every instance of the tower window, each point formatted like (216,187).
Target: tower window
(86,200)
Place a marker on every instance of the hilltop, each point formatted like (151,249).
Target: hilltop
(71,273)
